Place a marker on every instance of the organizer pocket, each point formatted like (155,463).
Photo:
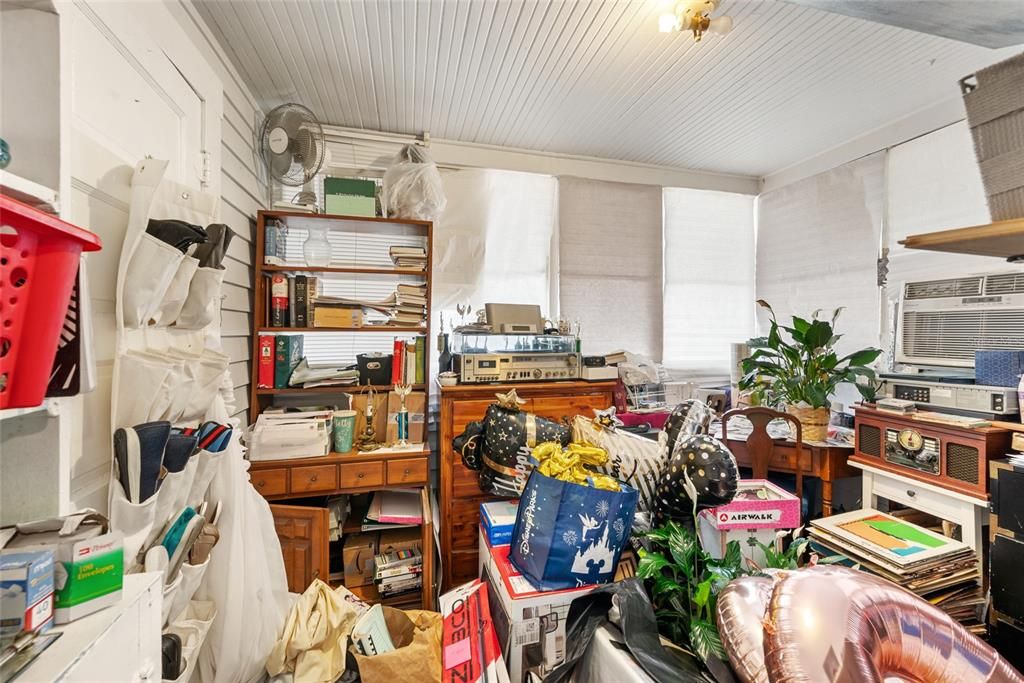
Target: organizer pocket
(138,394)
(171,591)
(192,626)
(206,468)
(203,379)
(170,499)
(177,292)
(150,270)
(134,520)
(203,301)
(190,576)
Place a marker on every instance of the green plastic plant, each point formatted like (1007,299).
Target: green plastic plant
(806,369)
(685,582)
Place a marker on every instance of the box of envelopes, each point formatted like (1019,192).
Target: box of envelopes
(88,561)
(26,592)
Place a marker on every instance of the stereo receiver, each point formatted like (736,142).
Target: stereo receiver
(477,368)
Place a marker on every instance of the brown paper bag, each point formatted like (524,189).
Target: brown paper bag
(417,654)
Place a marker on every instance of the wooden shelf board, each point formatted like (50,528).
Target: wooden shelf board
(351,456)
(1002,239)
(1012,426)
(370,328)
(383,270)
(299,391)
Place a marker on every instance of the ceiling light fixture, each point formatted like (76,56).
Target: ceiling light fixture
(694,16)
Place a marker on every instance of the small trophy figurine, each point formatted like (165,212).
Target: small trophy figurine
(368,439)
(403,415)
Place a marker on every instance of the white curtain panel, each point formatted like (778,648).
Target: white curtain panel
(610,261)
(818,241)
(709,278)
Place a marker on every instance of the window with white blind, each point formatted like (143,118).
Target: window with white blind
(610,264)
(709,278)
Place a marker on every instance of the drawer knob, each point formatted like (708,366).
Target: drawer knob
(406,473)
(360,475)
(313,478)
(911,492)
(261,483)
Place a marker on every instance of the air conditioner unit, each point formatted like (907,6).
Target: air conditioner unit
(943,322)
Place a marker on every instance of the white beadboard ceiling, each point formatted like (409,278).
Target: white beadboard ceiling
(595,78)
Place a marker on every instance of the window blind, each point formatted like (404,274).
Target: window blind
(817,247)
(610,263)
(709,278)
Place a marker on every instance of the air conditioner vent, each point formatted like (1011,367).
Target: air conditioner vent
(956,334)
(1007,283)
(936,289)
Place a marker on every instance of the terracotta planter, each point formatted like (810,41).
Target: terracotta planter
(813,421)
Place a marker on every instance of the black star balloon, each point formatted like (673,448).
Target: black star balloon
(712,470)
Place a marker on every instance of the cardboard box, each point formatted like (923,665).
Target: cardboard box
(470,652)
(329,315)
(758,512)
(498,518)
(88,561)
(530,624)
(998,368)
(393,540)
(26,592)
(357,555)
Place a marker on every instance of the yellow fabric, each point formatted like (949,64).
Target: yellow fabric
(315,637)
(574,463)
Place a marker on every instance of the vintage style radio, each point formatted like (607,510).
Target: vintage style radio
(475,368)
(952,457)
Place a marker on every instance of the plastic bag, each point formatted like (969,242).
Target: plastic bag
(412,186)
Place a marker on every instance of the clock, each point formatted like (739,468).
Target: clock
(910,440)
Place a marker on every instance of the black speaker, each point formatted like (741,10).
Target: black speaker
(1007,490)
(1006,557)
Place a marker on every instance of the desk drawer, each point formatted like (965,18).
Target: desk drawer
(407,471)
(270,482)
(314,478)
(362,474)
(785,459)
(902,490)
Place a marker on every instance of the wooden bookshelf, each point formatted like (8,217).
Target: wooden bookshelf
(302,528)
(1002,239)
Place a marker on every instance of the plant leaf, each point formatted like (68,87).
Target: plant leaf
(703,593)
(733,556)
(862,357)
(683,546)
(704,639)
(651,564)
(664,586)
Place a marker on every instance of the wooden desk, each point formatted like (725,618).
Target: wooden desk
(822,461)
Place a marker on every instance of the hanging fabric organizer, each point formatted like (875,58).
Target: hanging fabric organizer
(172,395)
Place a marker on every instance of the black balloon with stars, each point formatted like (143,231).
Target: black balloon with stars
(712,470)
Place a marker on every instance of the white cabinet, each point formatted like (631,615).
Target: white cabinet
(120,643)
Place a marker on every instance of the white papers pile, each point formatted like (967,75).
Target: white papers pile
(283,436)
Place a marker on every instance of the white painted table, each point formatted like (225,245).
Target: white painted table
(967,511)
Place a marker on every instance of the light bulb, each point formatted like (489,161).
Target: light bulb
(667,23)
(720,25)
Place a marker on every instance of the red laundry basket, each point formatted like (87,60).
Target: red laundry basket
(39,256)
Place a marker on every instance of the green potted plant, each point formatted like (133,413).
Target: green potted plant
(799,375)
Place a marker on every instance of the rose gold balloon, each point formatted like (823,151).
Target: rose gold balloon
(846,626)
(741,608)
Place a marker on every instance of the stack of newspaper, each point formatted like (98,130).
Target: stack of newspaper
(280,435)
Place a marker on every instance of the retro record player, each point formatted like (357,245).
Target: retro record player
(949,456)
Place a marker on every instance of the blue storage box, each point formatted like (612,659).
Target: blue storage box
(998,368)
(27,585)
(498,519)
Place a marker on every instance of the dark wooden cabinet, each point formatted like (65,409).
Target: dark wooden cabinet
(302,532)
(460,495)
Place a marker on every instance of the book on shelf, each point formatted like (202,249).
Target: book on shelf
(421,360)
(274,235)
(409,257)
(265,362)
(278,300)
(292,322)
(410,363)
(301,304)
(287,355)
(396,366)
(312,292)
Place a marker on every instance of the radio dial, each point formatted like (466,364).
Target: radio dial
(538,373)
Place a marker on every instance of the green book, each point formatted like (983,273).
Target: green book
(287,354)
(421,357)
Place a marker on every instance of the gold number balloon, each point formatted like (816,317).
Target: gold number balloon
(838,625)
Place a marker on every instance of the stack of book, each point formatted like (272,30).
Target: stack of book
(398,571)
(939,569)
(410,304)
(279,355)
(409,361)
(409,257)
